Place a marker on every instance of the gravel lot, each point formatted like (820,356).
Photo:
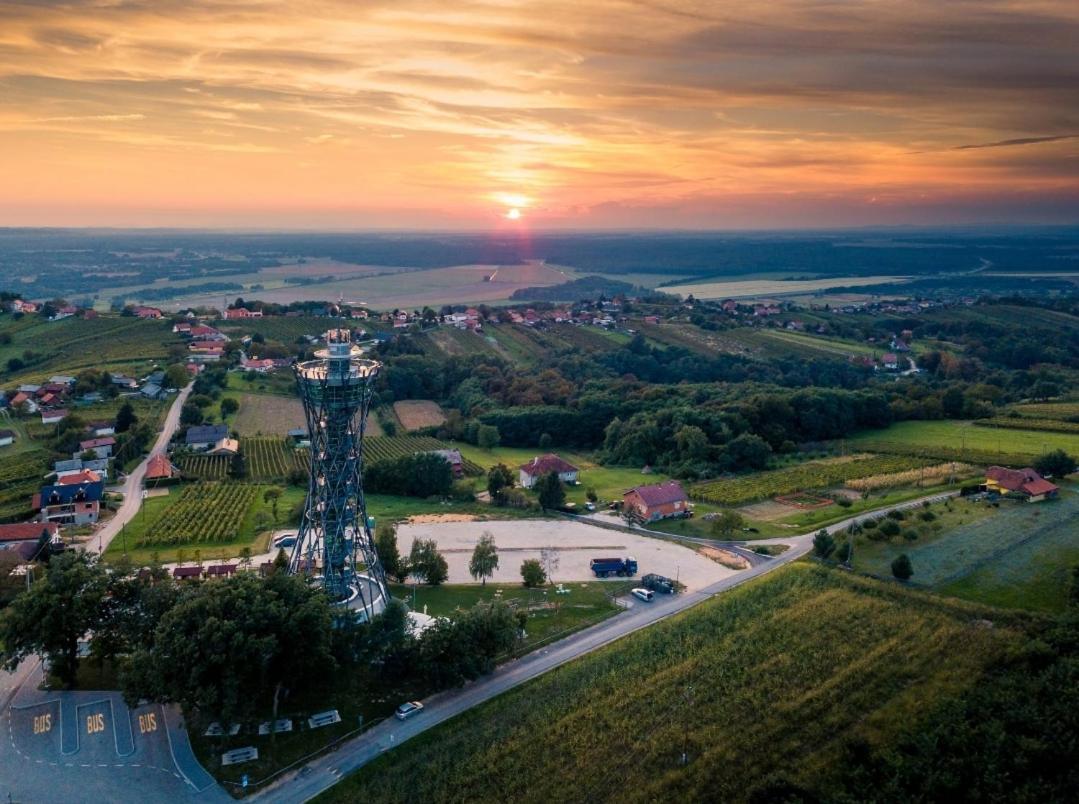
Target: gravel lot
(576,543)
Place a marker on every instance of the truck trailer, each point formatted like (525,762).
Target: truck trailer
(605,567)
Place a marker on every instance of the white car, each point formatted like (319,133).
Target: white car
(642,594)
(407,710)
(284,540)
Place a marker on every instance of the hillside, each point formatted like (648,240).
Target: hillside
(807,683)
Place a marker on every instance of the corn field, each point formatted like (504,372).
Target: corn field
(925,476)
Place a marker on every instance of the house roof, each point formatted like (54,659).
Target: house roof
(452,456)
(90,492)
(27,531)
(542,464)
(226,446)
(1022,480)
(206,433)
(93,443)
(83,476)
(59,413)
(889,357)
(159,466)
(187,572)
(660,493)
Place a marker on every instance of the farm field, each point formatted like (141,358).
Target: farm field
(769,288)
(389,447)
(268,415)
(1024,423)
(1017,555)
(962,441)
(773,672)
(415,414)
(812,475)
(798,343)
(268,459)
(460,284)
(285,329)
(196,511)
(1048,410)
(21,475)
(107,342)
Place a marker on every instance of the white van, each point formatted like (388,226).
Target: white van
(642,594)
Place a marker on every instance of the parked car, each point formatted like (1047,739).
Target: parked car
(284,540)
(643,594)
(407,710)
(590,506)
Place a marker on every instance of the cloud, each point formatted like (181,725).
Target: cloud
(1016,141)
(607,106)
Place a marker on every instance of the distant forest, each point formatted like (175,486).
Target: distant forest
(54,262)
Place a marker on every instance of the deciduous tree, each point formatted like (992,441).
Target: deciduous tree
(484,558)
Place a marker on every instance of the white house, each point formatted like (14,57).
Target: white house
(542,464)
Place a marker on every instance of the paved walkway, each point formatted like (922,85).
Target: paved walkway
(132,486)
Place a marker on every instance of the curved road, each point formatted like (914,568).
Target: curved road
(132,487)
(322,773)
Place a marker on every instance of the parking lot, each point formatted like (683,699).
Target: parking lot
(81,746)
(575,544)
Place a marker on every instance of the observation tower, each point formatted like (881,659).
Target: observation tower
(334,547)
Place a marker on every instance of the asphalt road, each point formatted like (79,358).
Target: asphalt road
(132,487)
(322,773)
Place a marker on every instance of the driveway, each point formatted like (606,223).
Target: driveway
(132,486)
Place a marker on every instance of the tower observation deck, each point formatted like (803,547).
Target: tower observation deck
(335,547)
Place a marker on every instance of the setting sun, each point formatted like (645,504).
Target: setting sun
(513,214)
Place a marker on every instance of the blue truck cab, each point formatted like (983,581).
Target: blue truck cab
(605,567)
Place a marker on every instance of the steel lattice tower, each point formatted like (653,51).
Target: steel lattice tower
(335,545)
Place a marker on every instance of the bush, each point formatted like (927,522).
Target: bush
(897,514)
(910,534)
(927,516)
(890,528)
(843,502)
(532,573)
(869,524)
(902,568)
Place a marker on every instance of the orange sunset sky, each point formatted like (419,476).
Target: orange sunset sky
(582,114)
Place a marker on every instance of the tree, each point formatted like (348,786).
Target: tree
(229,405)
(725,523)
(549,491)
(499,478)
(484,558)
(487,436)
(545,441)
(272,496)
(823,544)
(176,376)
(228,649)
(902,568)
(426,563)
(386,548)
(190,414)
(532,573)
(54,614)
(1057,463)
(125,417)
(280,561)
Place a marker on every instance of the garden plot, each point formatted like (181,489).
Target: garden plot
(263,414)
(575,544)
(415,414)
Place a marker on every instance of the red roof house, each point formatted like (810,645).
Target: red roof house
(84,476)
(27,531)
(1022,482)
(159,467)
(658,501)
(542,464)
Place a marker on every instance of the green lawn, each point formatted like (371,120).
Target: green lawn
(550,615)
(608,481)
(964,440)
(1016,555)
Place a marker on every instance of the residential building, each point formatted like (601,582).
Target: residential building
(532,471)
(123,381)
(54,416)
(148,312)
(99,466)
(204,436)
(27,532)
(1024,483)
(101,447)
(225,446)
(658,501)
(890,361)
(159,467)
(453,458)
(73,504)
(242,312)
